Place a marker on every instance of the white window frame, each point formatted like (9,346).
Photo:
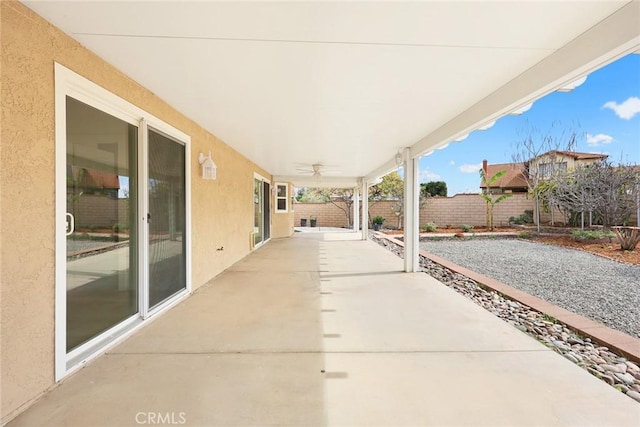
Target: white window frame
(258,177)
(285,197)
(69,83)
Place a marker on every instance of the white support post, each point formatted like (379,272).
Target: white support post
(411,213)
(365,209)
(356,210)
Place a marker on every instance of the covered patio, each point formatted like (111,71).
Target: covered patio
(207,115)
(326,329)
(340,94)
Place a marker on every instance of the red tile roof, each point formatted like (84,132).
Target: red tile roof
(514,178)
(94,178)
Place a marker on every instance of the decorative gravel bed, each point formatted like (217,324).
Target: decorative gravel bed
(595,287)
(598,360)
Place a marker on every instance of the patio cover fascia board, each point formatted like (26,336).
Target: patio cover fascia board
(323,182)
(605,42)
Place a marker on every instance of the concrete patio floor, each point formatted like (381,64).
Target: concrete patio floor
(322,329)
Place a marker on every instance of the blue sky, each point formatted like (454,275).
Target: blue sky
(605,111)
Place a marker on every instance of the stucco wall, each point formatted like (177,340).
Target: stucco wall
(221,209)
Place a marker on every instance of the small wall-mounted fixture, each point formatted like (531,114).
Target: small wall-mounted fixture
(209,169)
(399,159)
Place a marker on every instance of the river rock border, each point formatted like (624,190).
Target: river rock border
(601,362)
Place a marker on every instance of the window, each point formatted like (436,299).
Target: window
(282,198)
(547,170)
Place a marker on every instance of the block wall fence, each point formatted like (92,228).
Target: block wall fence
(460,209)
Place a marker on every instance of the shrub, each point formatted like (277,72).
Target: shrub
(377,220)
(629,237)
(466,227)
(591,234)
(429,227)
(119,228)
(525,218)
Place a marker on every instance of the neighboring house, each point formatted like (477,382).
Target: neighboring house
(545,165)
(511,182)
(551,162)
(92,181)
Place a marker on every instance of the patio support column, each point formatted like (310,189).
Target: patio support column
(365,209)
(411,213)
(356,210)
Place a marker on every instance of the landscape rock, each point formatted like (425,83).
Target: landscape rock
(622,367)
(632,366)
(610,368)
(625,378)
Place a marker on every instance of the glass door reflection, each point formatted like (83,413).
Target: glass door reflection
(258,217)
(102,271)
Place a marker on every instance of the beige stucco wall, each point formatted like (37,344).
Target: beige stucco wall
(221,209)
(572,163)
(282,222)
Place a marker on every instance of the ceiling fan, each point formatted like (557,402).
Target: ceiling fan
(317,170)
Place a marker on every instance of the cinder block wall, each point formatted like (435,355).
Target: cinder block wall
(471,209)
(99,211)
(453,211)
(327,214)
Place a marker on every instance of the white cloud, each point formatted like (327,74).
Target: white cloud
(599,139)
(427,175)
(452,163)
(627,109)
(470,168)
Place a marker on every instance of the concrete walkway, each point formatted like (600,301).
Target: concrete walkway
(321,329)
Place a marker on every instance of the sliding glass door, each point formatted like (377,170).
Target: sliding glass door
(261,211)
(266,216)
(258,215)
(166,219)
(102,233)
(122,240)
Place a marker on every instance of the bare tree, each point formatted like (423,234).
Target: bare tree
(342,198)
(533,143)
(607,190)
(570,191)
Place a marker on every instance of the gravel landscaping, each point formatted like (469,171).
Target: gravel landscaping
(595,287)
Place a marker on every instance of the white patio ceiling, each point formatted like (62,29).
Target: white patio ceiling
(348,84)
